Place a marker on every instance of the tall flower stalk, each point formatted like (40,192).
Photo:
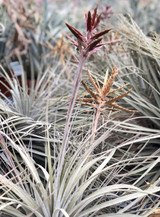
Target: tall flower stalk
(87,45)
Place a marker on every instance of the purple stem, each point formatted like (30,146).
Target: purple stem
(77,80)
(74,96)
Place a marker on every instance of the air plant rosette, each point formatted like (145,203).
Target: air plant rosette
(12,79)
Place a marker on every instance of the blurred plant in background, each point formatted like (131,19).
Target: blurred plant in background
(21,15)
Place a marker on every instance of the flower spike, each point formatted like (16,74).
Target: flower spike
(98,100)
(90,42)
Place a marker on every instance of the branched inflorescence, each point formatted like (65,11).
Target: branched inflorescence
(99,99)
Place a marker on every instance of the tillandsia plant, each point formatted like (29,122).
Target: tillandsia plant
(29,189)
(87,45)
(98,100)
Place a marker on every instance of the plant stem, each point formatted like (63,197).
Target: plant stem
(77,80)
(94,128)
(74,96)
(95,124)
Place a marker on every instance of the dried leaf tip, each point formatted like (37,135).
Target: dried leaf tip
(97,88)
(108,84)
(106,76)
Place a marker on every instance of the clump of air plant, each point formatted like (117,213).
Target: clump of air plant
(98,99)
(87,44)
